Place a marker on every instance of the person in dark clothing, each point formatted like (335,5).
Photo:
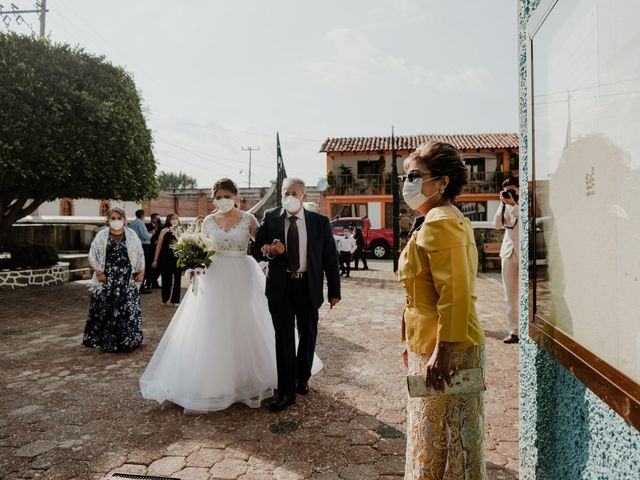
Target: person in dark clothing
(301,252)
(166,261)
(114,323)
(359,253)
(154,227)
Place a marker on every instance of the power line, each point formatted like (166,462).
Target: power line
(41,10)
(104,42)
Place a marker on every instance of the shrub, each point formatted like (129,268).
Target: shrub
(33,256)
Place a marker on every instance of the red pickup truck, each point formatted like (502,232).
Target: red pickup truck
(378,241)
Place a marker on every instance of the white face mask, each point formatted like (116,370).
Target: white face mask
(225,204)
(175,223)
(412,193)
(291,204)
(116,224)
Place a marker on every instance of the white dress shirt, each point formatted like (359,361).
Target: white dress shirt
(347,244)
(302,237)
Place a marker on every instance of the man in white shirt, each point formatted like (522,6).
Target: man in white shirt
(346,246)
(508,217)
(141,230)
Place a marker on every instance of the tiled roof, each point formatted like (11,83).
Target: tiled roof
(461,142)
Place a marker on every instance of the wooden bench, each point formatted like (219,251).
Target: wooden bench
(490,250)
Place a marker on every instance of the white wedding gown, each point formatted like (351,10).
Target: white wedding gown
(219,348)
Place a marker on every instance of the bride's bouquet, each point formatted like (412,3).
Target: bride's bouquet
(194,252)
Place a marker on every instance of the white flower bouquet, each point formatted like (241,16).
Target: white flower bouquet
(194,252)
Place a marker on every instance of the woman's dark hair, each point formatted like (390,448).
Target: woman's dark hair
(511,182)
(443,160)
(225,184)
(167,222)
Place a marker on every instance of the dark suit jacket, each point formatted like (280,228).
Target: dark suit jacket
(359,237)
(322,257)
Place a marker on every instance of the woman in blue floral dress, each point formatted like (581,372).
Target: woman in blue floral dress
(116,256)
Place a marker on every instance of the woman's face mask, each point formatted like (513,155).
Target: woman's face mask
(412,192)
(116,224)
(175,222)
(225,204)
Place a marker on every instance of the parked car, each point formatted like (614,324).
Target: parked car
(377,241)
(542,224)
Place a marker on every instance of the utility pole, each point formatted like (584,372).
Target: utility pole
(41,10)
(395,190)
(43,17)
(250,149)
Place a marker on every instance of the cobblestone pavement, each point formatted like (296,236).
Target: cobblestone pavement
(69,412)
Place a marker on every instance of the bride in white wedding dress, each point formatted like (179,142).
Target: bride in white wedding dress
(219,348)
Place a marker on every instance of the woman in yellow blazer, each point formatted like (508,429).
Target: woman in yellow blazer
(440,326)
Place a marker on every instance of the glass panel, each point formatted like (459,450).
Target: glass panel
(586,106)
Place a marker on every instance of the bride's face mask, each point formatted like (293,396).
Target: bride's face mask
(224,200)
(225,204)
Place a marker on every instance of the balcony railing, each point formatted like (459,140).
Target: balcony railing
(370,184)
(484,182)
(379,184)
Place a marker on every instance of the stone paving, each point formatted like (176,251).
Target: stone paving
(73,413)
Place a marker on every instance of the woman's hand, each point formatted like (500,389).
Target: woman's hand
(139,277)
(102,278)
(154,265)
(405,357)
(438,368)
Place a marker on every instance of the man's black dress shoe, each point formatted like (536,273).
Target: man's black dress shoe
(511,338)
(282,403)
(302,388)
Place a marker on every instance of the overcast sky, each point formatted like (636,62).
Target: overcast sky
(219,75)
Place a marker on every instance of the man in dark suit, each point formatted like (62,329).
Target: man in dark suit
(300,248)
(359,253)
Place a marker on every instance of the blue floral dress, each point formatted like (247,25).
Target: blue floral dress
(115,321)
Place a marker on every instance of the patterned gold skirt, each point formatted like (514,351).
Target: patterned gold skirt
(445,434)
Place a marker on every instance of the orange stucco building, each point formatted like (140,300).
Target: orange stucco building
(359,169)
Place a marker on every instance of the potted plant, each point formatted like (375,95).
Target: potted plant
(331,181)
(362,185)
(346,175)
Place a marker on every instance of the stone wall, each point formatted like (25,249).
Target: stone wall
(65,237)
(195,202)
(566,431)
(40,277)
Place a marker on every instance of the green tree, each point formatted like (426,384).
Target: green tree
(71,125)
(171,180)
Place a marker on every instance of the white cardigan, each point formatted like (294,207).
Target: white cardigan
(98,254)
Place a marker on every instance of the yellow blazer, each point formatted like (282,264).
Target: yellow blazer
(438,268)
